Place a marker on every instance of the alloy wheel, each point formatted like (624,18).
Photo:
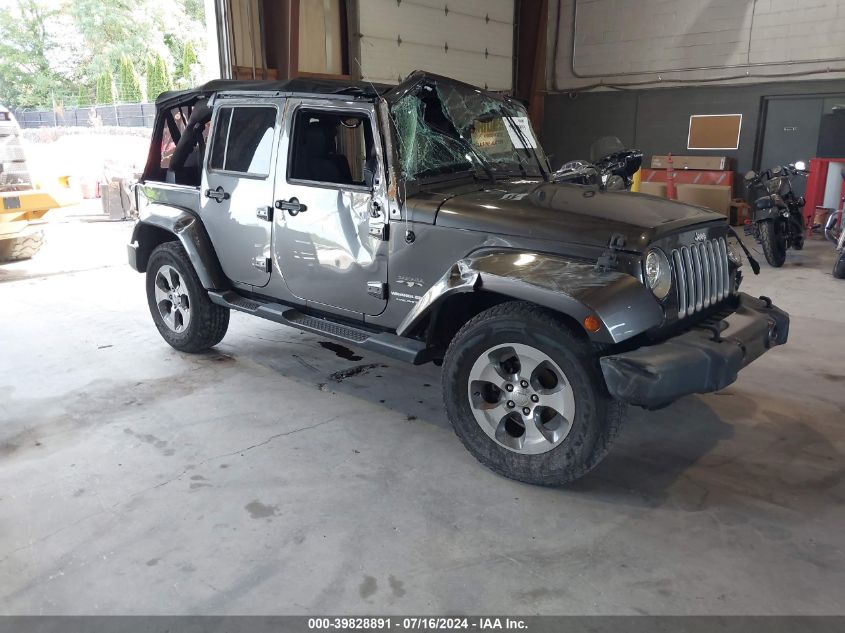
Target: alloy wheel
(172,299)
(521,398)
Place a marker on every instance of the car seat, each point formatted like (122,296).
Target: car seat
(317,158)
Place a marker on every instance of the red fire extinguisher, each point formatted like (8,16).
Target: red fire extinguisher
(671,192)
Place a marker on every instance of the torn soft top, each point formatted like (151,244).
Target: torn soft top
(303,85)
(310,85)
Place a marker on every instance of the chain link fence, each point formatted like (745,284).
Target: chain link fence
(122,115)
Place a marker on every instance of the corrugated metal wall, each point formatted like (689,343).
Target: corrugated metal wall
(470,40)
(620,41)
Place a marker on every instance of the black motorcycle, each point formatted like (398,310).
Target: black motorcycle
(612,166)
(777,222)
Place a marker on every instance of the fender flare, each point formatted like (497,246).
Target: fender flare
(189,230)
(623,305)
(768,213)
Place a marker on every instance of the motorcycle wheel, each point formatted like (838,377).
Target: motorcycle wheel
(774,244)
(839,266)
(797,230)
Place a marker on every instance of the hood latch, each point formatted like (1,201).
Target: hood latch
(608,259)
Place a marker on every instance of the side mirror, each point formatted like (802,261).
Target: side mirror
(801,165)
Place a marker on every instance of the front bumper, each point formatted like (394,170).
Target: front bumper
(705,359)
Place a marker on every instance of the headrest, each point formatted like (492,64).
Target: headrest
(318,139)
(200,114)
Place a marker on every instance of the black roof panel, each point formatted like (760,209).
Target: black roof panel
(305,85)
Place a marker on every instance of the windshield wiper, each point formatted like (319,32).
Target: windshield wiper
(526,145)
(484,164)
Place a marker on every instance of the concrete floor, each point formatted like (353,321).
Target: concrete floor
(135,479)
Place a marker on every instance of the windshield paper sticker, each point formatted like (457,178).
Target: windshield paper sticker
(524,126)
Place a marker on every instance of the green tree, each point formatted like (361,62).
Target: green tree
(186,64)
(195,10)
(83,98)
(49,48)
(128,83)
(158,77)
(105,89)
(135,28)
(26,46)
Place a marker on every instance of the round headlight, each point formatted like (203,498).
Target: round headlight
(658,273)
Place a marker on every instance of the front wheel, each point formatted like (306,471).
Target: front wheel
(839,266)
(22,247)
(184,315)
(774,243)
(526,397)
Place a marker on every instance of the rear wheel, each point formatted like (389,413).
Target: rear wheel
(21,247)
(184,315)
(526,397)
(774,243)
(839,266)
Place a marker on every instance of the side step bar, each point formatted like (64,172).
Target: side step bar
(398,347)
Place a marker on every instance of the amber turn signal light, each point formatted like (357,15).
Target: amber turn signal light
(592,324)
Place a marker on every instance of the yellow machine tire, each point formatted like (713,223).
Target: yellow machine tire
(21,247)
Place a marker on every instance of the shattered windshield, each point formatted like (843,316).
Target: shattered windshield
(444,128)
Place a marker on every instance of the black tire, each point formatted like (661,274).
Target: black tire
(598,417)
(208,321)
(22,247)
(797,232)
(839,266)
(774,245)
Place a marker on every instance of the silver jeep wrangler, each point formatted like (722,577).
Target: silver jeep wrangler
(419,221)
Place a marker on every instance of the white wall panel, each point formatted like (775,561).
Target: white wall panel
(618,39)
(495,9)
(472,41)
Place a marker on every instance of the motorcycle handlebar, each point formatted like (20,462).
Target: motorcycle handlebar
(765,176)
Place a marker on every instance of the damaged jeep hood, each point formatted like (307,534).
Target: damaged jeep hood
(568,213)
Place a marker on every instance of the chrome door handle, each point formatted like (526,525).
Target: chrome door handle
(218,194)
(292,206)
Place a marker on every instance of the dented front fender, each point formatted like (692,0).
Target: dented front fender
(622,304)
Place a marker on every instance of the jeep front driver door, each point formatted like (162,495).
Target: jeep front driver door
(330,237)
(237,187)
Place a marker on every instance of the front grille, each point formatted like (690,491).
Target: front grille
(702,274)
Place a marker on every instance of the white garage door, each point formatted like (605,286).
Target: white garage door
(470,40)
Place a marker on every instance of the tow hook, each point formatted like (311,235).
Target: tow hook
(773,332)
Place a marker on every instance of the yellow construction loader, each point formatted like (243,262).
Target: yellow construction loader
(23,202)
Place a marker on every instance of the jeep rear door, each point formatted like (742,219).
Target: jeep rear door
(237,185)
(330,238)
